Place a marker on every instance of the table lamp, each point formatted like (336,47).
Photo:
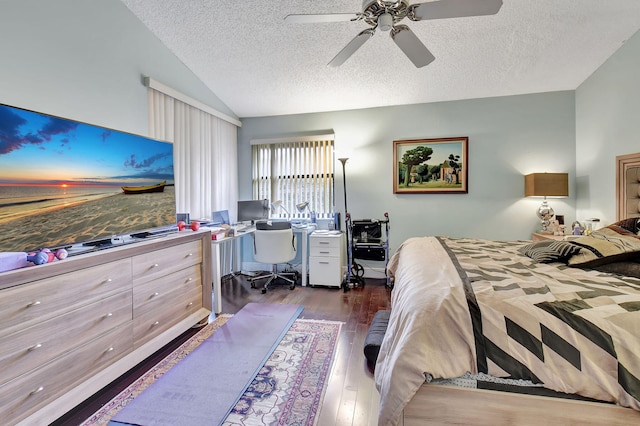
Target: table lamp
(546,185)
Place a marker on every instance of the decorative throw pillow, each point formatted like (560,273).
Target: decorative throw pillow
(631,224)
(550,251)
(606,245)
(625,268)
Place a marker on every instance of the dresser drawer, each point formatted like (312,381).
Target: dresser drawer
(165,261)
(32,303)
(325,242)
(325,271)
(170,308)
(26,394)
(150,295)
(325,251)
(25,350)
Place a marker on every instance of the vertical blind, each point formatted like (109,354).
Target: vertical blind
(294,172)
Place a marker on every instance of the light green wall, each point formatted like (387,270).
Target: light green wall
(607,119)
(508,137)
(84,60)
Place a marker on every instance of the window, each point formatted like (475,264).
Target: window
(293,171)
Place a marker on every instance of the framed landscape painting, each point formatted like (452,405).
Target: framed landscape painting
(429,166)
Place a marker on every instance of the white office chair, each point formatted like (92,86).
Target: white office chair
(274,243)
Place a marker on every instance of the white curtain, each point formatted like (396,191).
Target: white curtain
(205,155)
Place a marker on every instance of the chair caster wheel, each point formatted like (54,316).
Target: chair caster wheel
(253,285)
(264,290)
(292,286)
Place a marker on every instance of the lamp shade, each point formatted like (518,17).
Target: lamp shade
(546,185)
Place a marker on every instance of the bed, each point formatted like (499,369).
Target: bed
(562,315)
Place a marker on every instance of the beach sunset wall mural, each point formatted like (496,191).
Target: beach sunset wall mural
(61,181)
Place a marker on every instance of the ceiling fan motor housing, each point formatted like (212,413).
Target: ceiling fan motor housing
(374,9)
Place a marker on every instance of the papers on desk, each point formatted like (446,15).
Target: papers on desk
(327,232)
(213,228)
(221,232)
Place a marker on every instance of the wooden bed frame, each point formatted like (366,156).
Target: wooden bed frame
(450,405)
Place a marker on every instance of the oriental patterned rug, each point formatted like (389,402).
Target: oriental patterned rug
(288,389)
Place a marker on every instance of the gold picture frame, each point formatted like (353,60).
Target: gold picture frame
(431,166)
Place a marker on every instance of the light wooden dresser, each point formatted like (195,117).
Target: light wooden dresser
(69,328)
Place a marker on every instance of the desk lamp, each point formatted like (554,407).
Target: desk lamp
(305,206)
(276,204)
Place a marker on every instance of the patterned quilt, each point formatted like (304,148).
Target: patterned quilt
(573,330)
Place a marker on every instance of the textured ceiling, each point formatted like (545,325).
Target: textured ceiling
(258,65)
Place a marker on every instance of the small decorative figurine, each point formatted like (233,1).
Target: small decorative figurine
(576,229)
(17,260)
(46,256)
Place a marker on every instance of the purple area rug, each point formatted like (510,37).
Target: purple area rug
(288,389)
(206,385)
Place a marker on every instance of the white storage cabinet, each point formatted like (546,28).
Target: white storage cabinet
(326,259)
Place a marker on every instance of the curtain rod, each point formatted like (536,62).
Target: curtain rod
(299,138)
(156,85)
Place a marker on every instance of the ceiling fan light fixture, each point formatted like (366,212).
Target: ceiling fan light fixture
(385,21)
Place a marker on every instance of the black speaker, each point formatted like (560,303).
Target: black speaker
(369,253)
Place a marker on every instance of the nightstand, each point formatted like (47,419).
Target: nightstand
(541,237)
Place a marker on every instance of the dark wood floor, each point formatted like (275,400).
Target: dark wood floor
(351,397)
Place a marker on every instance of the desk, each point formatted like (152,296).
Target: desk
(305,231)
(216,267)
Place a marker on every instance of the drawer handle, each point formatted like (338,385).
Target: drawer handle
(36,346)
(110,314)
(155,323)
(325,252)
(155,265)
(32,304)
(324,242)
(108,280)
(189,255)
(324,263)
(190,304)
(110,349)
(40,389)
(156,294)
(188,280)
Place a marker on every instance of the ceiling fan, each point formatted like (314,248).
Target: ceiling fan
(386,15)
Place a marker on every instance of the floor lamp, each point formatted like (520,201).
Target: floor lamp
(347,220)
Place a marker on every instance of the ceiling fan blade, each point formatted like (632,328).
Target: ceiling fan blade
(351,48)
(315,18)
(453,9)
(411,45)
